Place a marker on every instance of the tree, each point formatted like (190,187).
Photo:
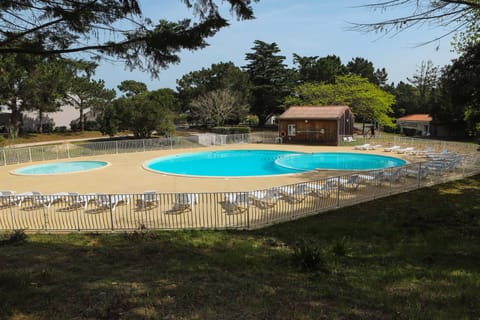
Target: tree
(363,68)
(220,76)
(143,113)
(45,87)
(132,88)
(458,103)
(114,28)
(13,74)
(270,79)
(425,80)
(85,92)
(218,107)
(407,100)
(367,101)
(315,69)
(458,15)
(32,83)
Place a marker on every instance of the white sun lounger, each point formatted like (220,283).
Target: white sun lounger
(147,199)
(365,146)
(237,202)
(184,202)
(105,201)
(390,149)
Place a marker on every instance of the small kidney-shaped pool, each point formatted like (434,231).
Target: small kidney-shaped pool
(61,167)
(244,163)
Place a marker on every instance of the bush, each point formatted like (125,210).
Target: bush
(47,127)
(308,256)
(230,130)
(409,132)
(15,238)
(88,125)
(61,129)
(340,248)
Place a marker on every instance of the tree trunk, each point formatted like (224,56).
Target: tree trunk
(82,122)
(15,122)
(40,121)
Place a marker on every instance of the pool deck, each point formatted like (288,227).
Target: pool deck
(127,175)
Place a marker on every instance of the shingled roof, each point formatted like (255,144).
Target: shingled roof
(416,117)
(314,112)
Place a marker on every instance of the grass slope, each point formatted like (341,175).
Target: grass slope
(411,256)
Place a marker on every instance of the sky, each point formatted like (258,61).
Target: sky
(305,27)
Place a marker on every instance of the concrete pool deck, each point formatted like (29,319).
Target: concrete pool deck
(127,175)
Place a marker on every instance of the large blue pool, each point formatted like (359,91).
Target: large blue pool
(241,163)
(61,167)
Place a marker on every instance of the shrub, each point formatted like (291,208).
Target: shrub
(15,238)
(230,130)
(409,132)
(308,256)
(88,125)
(47,127)
(61,129)
(340,248)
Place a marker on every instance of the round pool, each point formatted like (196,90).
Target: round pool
(61,167)
(244,163)
(338,161)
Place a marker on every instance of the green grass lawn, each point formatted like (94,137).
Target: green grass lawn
(410,256)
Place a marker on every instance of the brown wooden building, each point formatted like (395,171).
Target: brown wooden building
(321,125)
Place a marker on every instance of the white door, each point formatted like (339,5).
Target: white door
(291,130)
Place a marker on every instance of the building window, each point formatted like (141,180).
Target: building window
(291,130)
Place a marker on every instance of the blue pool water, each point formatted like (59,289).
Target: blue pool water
(241,163)
(61,167)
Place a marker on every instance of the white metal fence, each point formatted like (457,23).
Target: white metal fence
(67,212)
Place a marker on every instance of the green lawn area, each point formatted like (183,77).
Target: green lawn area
(54,136)
(410,256)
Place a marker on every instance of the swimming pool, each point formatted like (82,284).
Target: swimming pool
(243,163)
(61,167)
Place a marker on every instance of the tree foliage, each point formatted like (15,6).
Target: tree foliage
(365,69)
(457,15)
(406,99)
(143,114)
(367,101)
(132,88)
(458,102)
(315,69)
(218,107)
(425,80)
(114,28)
(220,76)
(31,83)
(270,79)
(87,93)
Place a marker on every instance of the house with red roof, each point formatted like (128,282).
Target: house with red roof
(417,124)
(323,125)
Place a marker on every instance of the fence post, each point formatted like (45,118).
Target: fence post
(116,147)
(111,211)
(68,151)
(4,157)
(338,191)
(419,175)
(143,143)
(30,153)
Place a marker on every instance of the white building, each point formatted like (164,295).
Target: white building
(418,122)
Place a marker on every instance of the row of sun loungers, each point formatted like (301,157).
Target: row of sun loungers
(36,199)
